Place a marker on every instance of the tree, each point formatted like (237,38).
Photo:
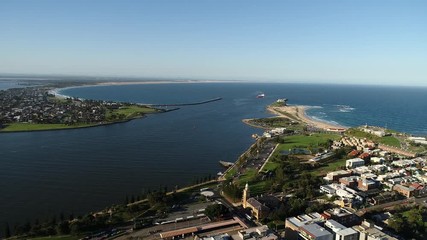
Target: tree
(215,211)
(6,230)
(63,228)
(397,222)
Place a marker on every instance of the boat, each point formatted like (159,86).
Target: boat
(261,95)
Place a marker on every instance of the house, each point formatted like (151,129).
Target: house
(421,189)
(365,156)
(405,191)
(353,153)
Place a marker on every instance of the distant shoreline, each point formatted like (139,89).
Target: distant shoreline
(56,91)
(118,83)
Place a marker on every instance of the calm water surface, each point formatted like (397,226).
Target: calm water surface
(76,171)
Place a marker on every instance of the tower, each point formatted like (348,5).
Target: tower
(245,196)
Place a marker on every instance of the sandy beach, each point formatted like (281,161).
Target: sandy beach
(297,113)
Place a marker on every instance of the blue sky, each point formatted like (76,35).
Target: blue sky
(342,41)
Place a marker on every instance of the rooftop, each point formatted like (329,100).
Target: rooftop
(315,230)
(305,219)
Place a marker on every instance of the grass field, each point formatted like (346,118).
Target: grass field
(330,166)
(18,127)
(248,176)
(131,111)
(302,141)
(299,141)
(390,140)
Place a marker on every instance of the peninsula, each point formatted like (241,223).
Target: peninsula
(38,109)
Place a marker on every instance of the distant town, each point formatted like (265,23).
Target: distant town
(38,108)
(297,181)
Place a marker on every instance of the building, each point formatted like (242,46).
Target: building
(340,231)
(293,224)
(258,209)
(256,233)
(342,215)
(219,228)
(367,184)
(327,189)
(383,198)
(314,232)
(405,191)
(377,160)
(217,237)
(367,231)
(350,182)
(335,176)
(421,189)
(355,162)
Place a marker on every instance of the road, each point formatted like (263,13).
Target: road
(389,205)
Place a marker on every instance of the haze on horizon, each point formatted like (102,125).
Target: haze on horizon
(333,41)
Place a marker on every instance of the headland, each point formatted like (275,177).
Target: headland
(298,113)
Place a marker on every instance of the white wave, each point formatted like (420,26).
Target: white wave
(345,108)
(320,119)
(313,107)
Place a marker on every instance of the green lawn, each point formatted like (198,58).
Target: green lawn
(248,176)
(231,173)
(303,141)
(270,166)
(331,165)
(131,111)
(390,140)
(258,188)
(17,127)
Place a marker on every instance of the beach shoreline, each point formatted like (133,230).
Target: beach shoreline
(298,113)
(56,91)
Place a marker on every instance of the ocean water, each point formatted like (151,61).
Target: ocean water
(76,171)
(8,84)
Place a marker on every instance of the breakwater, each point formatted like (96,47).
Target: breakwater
(184,104)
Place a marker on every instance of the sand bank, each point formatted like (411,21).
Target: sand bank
(298,113)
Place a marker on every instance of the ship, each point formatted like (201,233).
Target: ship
(261,95)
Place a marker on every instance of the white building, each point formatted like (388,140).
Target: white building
(377,160)
(341,232)
(355,162)
(315,232)
(367,231)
